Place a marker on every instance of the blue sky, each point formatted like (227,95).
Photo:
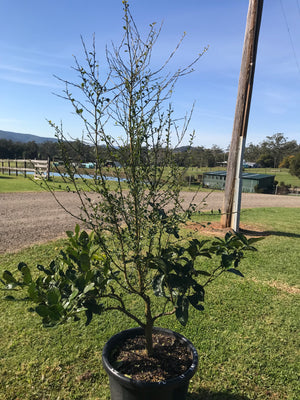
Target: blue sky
(38,39)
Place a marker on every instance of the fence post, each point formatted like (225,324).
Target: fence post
(48,168)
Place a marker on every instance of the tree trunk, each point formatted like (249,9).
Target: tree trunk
(148,336)
(148,327)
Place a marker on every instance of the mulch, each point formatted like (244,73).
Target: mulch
(215,229)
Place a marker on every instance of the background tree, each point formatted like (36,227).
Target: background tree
(30,150)
(295,165)
(10,149)
(252,152)
(274,145)
(265,160)
(286,162)
(48,149)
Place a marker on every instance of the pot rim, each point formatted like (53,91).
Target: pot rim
(131,332)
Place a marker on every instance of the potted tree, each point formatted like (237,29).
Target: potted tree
(132,257)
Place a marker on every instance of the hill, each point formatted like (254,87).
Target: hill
(24,137)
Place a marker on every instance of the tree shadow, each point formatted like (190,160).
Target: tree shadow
(5,177)
(204,394)
(269,233)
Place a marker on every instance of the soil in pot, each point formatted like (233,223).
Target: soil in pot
(170,358)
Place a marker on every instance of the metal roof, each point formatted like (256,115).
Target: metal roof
(245,175)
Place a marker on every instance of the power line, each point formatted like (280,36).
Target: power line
(289,32)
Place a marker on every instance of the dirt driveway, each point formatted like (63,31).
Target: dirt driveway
(29,218)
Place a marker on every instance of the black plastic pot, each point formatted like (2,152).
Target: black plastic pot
(124,388)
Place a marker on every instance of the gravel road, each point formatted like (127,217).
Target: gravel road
(30,218)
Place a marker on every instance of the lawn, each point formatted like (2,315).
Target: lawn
(247,336)
(12,183)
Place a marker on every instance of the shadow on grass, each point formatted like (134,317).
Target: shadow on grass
(5,177)
(269,233)
(204,394)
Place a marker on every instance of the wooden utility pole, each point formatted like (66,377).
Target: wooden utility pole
(233,187)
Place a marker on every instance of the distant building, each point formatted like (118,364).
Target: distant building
(88,165)
(249,165)
(222,164)
(110,164)
(251,183)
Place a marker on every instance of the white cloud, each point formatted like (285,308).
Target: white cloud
(13,68)
(19,79)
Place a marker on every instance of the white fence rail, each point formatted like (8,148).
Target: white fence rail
(40,168)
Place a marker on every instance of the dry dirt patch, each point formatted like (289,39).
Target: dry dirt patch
(215,229)
(30,218)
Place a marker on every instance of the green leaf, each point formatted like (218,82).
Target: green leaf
(228,236)
(84,260)
(53,296)
(252,248)
(89,317)
(10,298)
(204,253)
(84,238)
(33,292)
(89,287)
(227,260)
(80,283)
(187,267)
(55,312)
(42,310)
(77,230)
(53,268)
(235,271)
(73,294)
(93,307)
(201,272)
(176,281)
(254,240)
(21,265)
(242,238)
(158,263)
(182,310)
(194,300)
(8,277)
(26,274)
(106,266)
(157,285)
(217,241)
(193,248)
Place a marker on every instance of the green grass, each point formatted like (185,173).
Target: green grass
(281,175)
(247,336)
(12,183)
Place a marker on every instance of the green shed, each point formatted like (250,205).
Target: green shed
(251,183)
